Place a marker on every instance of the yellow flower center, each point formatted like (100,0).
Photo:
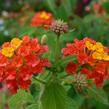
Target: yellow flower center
(8,51)
(44,15)
(89,45)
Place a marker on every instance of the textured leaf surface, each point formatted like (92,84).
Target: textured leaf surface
(54,96)
(98,95)
(19,100)
(33,106)
(73,104)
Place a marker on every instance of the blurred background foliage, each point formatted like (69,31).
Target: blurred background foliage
(86,18)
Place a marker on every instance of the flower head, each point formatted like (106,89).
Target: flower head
(42,18)
(80,82)
(59,27)
(20,60)
(92,53)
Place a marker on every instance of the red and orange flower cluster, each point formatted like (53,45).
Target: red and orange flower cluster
(19,60)
(42,18)
(92,53)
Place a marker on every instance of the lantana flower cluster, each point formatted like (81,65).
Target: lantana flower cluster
(89,53)
(20,60)
(42,18)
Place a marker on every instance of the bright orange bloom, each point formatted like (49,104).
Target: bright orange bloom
(19,60)
(42,18)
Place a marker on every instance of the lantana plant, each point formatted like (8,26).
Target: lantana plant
(27,69)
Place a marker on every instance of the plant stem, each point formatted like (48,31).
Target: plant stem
(57,55)
(41,81)
(65,76)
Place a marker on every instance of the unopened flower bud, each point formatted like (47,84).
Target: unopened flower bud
(44,39)
(80,82)
(59,27)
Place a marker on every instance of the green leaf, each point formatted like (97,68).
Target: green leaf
(35,89)
(51,5)
(106,6)
(74,99)
(20,99)
(69,6)
(99,95)
(74,104)
(33,106)
(54,96)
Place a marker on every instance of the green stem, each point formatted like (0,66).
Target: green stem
(57,55)
(79,69)
(65,76)
(41,81)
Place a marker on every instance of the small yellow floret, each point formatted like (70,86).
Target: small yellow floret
(97,55)
(44,15)
(98,51)
(16,42)
(89,45)
(8,51)
(99,47)
(100,56)
(106,57)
